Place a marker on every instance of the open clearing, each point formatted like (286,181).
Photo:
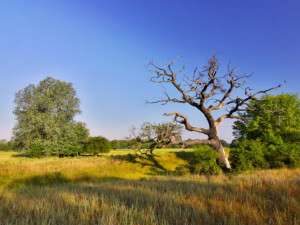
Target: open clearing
(120,189)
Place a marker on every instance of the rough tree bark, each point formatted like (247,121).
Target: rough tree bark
(199,89)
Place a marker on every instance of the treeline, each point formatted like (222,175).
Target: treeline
(6,145)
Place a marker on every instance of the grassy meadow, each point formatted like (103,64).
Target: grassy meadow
(117,188)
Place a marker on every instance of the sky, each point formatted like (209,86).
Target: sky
(103,47)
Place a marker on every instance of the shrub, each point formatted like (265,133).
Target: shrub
(37,152)
(283,155)
(96,145)
(254,154)
(247,155)
(204,161)
(181,170)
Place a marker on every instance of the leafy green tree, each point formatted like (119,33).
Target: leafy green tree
(273,119)
(115,144)
(96,145)
(45,118)
(3,144)
(268,134)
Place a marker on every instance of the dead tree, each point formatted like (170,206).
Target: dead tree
(200,89)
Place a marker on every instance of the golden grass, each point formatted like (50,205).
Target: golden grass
(113,190)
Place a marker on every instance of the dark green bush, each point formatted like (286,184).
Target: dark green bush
(96,145)
(37,152)
(181,170)
(204,161)
(247,155)
(254,154)
(283,155)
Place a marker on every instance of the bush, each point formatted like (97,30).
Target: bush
(247,155)
(254,154)
(283,155)
(181,171)
(37,152)
(204,161)
(96,145)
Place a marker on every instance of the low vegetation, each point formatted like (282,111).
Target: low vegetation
(122,187)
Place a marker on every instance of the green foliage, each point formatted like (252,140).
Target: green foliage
(273,119)
(283,155)
(204,161)
(181,170)
(45,115)
(6,145)
(254,154)
(247,155)
(115,144)
(272,127)
(95,145)
(36,152)
(224,143)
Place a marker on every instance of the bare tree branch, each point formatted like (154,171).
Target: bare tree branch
(185,122)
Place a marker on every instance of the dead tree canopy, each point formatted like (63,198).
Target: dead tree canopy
(206,91)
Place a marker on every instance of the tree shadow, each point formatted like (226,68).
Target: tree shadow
(20,155)
(143,160)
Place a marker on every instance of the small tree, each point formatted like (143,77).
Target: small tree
(115,144)
(206,92)
(96,145)
(3,144)
(153,136)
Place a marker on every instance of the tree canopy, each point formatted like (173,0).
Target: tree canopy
(96,145)
(272,118)
(268,134)
(45,118)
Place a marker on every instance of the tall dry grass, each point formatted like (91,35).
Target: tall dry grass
(116,191)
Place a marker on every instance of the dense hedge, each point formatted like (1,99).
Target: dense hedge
(254,154)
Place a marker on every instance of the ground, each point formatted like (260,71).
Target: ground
(117,188)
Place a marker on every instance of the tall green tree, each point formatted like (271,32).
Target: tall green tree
(268,134)
(45,118)
(272,118)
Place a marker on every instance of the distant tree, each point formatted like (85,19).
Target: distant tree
(273,119)
(96,145)
(3,144)
(45,118)
(224,143)
(151,135)
(206,92)
(115,144)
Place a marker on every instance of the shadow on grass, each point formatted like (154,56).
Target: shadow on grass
(143,160)
(50,179)
(20,155)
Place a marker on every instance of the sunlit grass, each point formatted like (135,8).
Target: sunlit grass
(115,190)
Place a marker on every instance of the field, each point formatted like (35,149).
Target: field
(120,189)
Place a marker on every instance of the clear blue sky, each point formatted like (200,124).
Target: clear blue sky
(102,47)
